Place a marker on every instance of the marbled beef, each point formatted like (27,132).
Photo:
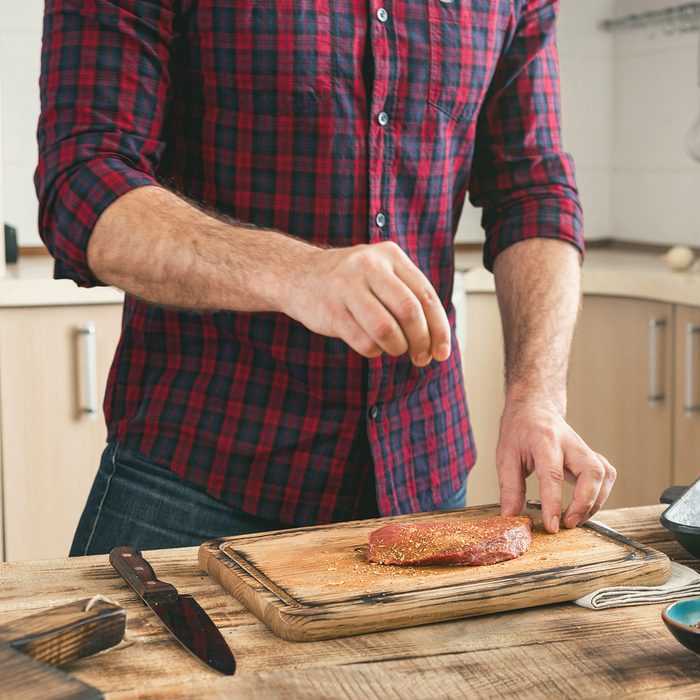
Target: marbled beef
(470,542)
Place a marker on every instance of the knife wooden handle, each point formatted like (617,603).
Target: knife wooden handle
(139,574)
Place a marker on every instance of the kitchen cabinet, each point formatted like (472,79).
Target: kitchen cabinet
(53,369)
(630,379)
(620,392)
(686,427)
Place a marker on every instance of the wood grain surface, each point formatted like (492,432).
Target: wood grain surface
(315,583)
(559,650)
(32,644)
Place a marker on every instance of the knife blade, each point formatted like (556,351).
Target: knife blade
(181,614)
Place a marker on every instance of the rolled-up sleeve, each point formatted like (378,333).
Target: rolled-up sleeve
(521,176)
(104,92)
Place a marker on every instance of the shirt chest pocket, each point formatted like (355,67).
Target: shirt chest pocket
(466,39)
(272,56)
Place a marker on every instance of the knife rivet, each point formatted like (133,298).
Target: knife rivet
(150,583)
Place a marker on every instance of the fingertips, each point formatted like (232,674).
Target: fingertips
(443,351)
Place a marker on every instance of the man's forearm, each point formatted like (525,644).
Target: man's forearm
(156,246)
(538,287)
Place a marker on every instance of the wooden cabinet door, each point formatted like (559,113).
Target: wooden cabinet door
(50,447)
(482,361)
(620,392)
(686,458)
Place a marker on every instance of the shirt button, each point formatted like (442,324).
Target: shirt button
(374,412)
(382,15)
(380,219)
(383,118)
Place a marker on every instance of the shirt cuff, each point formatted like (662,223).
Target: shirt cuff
(560,218)
(77,205)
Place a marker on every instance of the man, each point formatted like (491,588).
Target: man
(301,367)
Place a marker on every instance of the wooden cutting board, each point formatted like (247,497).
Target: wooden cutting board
(314,583)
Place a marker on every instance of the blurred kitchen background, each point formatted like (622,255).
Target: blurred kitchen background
(630,84)
(629,96)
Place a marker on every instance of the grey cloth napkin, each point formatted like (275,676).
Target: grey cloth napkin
(684,583)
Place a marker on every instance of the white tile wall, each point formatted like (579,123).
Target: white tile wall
(585,61)
(628,99)
(20,50)
(655,184)
(2,199)
(21,15)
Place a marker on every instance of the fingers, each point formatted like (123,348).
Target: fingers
(608,483)
(437,324)
(511,483)
(591,487)
(609,476)
(550,472)
(405,308)
(377,322)
(354,335)
(394,303)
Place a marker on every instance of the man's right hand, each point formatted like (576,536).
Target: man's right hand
(371,296)
(159,248)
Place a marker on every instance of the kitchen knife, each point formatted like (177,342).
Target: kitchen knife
(181,614)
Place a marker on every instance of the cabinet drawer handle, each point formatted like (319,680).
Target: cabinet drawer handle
(691,403)
(88,333)
(655,393)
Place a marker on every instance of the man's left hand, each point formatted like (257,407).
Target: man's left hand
(535,437)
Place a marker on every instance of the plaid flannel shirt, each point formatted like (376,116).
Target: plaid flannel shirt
(340,123)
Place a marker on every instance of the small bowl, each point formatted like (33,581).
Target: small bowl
(680,618)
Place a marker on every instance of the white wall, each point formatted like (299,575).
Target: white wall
(627,101)
(20,49)
(655,183)
(585,58)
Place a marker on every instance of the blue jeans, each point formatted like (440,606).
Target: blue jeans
(135,502)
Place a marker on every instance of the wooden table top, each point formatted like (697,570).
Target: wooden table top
(559,650)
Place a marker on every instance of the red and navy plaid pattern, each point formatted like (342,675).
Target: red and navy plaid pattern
(267,111)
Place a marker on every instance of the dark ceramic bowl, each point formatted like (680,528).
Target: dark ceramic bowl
(680,618)
(682,517)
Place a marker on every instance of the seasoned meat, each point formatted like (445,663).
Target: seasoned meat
(470,542)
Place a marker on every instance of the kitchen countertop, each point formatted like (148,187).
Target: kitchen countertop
(606,272)
(554,651)
(637,275)
(30,282)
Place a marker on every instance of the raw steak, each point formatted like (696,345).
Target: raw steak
(471,542)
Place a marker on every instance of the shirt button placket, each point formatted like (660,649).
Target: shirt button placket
(380,105)
(379,39)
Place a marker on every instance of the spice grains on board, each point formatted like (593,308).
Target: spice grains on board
(474,542)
